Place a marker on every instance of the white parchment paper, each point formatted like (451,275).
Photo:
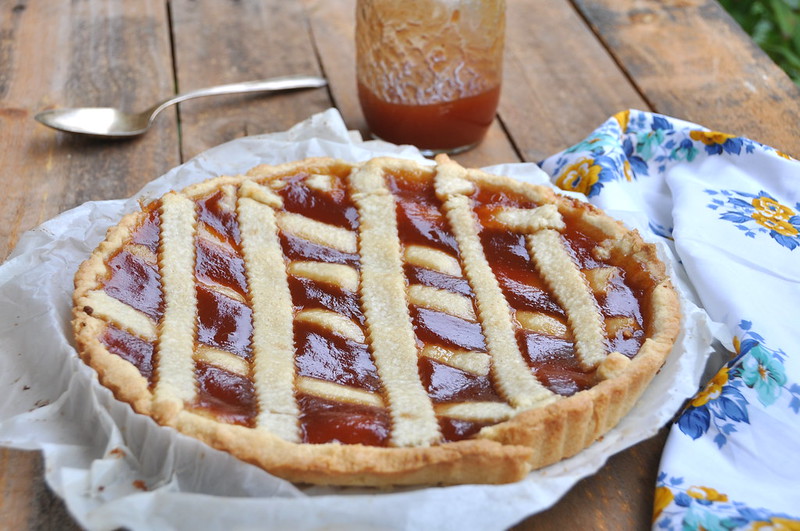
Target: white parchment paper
(114,468)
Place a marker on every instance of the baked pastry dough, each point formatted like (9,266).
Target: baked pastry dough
(378,323)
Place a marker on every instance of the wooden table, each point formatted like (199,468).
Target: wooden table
(569,66)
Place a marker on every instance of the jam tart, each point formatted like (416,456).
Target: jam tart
(380,323)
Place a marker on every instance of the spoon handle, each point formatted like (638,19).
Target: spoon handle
(265,85)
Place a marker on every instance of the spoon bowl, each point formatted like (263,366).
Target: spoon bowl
(108,122)
(97,121)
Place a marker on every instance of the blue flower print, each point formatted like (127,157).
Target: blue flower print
(763,373)
(723,403)
(694,508)
(758,214)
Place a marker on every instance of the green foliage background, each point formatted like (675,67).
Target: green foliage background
(775,26)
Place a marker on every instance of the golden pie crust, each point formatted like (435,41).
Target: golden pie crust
(382,323)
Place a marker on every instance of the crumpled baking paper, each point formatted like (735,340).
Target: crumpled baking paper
(114,468)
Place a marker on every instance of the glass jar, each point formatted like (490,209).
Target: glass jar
(429,71)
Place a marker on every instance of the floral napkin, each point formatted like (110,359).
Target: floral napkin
(729,208)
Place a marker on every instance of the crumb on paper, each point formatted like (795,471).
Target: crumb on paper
(139,484)
(40,403)
(117,452)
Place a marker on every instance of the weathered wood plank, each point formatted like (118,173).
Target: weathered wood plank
(619,496)
(559,82)
(98,53)
(16,482)
(226,42)
(692,61)
(25,500)
(95,52)
(333,25)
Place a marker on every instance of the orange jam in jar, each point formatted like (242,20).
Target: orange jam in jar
(429,71)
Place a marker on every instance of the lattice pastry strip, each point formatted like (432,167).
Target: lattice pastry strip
(175,349)
(142,252)
(542,323)
(441,300)
(566,281)
(110,309)
(222,359)
(339,275)
(599,278)
(511,373)
(333,322)
(477,363)
(477,411)
(383,297)
(318,232)
(273,340)
(434,259)
(337,392)
(571,289)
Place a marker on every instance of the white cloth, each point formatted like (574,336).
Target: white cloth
(730,207)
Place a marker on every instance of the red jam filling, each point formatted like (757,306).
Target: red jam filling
(423,223)
(555,363)
(333,207)
(449,384)
(228,396)
(435,279)
(458,429)
(148,232)
(130,348)
(335,359)
(439,328)
(324,421)
(581,246)
(310,294)
(295,248)
(220,219)
(506,251)
(135,282)
(223,323)
(226,323)
(526,295)
(215,265)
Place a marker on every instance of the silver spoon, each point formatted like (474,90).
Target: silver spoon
(114,123)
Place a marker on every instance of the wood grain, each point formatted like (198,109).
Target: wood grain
(97,53)
(694,62)
(229,42)
(559,82)
(26,502)
(618,497)
(93,52)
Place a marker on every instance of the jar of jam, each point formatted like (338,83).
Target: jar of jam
(429,71)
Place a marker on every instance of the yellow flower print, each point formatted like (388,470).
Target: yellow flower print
(781,227)
(783,155)
(773,216)
(771,208)
(664,497)
(707,493)
(710,138)
(712,389)
(623,118)
(580,177)
(777,523)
